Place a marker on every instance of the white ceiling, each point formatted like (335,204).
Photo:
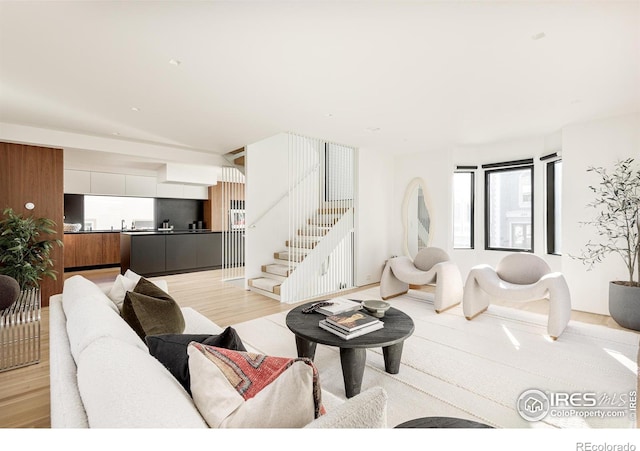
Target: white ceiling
(394,76)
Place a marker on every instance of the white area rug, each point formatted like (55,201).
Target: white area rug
(477,369)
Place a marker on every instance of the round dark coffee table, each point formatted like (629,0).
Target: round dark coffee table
(442,422)
(398,326)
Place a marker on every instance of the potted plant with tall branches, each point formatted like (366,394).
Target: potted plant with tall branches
(617,223)
(25,248)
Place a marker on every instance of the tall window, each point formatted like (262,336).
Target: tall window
(463,209)
(554,207)
(509,206)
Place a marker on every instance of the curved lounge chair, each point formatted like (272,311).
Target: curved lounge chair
(431,265)
(519,277)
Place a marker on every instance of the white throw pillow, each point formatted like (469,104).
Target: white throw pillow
(128,282)
(119,289)
(234,389)
(132,275)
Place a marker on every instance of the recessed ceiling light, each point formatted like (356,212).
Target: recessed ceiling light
(115,133)
(329,115)
(135,108)
(373,129)
(174,62)
(538,36)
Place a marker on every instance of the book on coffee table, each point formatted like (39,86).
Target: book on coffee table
(340,305)
(324,324)
(352,321)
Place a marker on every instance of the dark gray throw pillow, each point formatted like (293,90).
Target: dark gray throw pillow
(151,311)
(171,350)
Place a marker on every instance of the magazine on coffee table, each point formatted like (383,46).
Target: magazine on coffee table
(324,324)
(340,305)
(352,321)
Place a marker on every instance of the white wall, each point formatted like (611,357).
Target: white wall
(373,214)
(596,143)
(437,175)
(266,182)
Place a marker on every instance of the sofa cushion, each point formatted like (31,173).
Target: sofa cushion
(428,257)
(123,284)
(365,410)
(161,283)
(119,289)
(171,350)
(91,315)
(152,311)
(197,323)
(76,288)
(124,387)
(243,389)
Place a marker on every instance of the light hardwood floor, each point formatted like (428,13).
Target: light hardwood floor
(24,392)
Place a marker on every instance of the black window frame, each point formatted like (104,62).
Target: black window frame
(550,206)
(507,166)
(472,171)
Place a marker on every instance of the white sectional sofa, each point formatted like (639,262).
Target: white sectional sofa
(102,375)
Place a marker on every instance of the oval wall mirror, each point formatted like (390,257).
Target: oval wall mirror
(416,218)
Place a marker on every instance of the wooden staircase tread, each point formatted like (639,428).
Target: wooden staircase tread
(305,240)
(302,243)
(266,284)
(278,269)
(284,255)
(333,210)
(316,232)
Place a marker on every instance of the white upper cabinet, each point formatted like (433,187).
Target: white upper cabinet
(196,192)
(89,182)
(170,190)
(141,186)
(77,182)
(106,183)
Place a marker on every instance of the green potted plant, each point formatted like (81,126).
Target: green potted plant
(25,250)
(617,222)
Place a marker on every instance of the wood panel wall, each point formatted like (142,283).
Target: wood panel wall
(35,174)
(216,215)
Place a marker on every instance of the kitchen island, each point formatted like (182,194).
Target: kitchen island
(155,253)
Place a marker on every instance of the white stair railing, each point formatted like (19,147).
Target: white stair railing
(233,225)
(327,268)
(320,199)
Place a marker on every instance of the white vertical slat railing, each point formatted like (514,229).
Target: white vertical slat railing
(321,187)
(233,223)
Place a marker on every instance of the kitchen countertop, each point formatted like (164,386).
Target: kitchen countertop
(91,231)
(166,232)
(143,232)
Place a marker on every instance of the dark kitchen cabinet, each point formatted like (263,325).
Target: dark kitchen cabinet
(147,254)
(209,253)
(181,251)
(159,253)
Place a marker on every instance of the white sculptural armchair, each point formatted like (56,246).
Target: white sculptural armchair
(519,277)
(431,265)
